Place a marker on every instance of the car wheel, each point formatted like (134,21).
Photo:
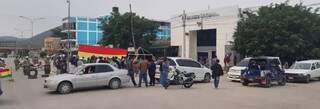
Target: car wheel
(115,83)
(207,78)
(187,85)
(307,79)
(268,82)
(283,81)
(65,87)
(245,83)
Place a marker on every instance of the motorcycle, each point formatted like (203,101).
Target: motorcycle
(180,78)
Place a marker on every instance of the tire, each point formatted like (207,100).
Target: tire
(187,85)
(307,79)
(268,83)
(207,78)
(65,88)
(245,83)
(282,82)
(115,83)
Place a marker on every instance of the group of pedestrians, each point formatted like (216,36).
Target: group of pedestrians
(142,67)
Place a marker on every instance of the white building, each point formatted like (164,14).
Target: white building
(208,32)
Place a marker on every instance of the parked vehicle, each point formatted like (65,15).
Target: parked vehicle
(188,65)
(235,71)
(303,71)
(88,75)
(265,71)
(180,78)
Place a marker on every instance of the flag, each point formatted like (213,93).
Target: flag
(88,51)
(5,73)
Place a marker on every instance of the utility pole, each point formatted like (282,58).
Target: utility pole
(68,39)
(184,18)
(132,34)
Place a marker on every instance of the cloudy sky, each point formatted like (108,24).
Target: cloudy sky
(54,10)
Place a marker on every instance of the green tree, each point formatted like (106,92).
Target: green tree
(117,30)
(290,32)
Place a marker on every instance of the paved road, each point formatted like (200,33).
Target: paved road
(30,94)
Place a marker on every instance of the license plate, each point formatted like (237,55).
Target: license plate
(290,77)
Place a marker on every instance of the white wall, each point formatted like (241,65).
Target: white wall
(225,26)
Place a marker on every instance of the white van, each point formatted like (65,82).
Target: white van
(303,71)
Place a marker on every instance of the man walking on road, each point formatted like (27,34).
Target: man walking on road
(152,72)
(216,73)
(130,70)
(143,71)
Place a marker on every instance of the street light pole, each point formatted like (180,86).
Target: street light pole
(184,18)
(68,40)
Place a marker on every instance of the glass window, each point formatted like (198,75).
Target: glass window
(318,65)
(82,19)
(171,62)
(92,38)
(103,69)
(82,26)
(243,63)
(92,19)
(89,70)
(93,26)
(188,63)
(305,66)
(313,67)
(82,37)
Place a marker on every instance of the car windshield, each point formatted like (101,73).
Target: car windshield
(77,69)
(243,63)
(305,66)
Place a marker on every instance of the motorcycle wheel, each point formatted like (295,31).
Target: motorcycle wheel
(187,85)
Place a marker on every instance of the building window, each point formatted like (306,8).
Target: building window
(92,26)
(206,37)
(82,26)
(92,38)
(82,37)
(82,19)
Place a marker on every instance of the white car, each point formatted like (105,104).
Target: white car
(188,65)
(88,75)
(235,71)
(303,71)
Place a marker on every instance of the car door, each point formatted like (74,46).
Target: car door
(103,74)
(317,70)
(313,70)
(87,78)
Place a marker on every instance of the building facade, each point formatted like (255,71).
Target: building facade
(84,30)
(164,32)
(207,34)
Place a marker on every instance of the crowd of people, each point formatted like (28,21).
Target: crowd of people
(137,66)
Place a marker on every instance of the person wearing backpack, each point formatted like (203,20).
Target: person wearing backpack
(216,73)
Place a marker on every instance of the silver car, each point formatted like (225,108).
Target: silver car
(88,75)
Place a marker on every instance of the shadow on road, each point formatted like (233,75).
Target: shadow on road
(6,102)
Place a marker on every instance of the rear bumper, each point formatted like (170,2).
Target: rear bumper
(253,80)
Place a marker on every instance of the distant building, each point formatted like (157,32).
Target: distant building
(84,30)
(164,32)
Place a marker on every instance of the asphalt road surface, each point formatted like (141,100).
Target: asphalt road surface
(30,94)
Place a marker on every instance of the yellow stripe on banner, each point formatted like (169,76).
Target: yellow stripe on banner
(5,73)
(87,55)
